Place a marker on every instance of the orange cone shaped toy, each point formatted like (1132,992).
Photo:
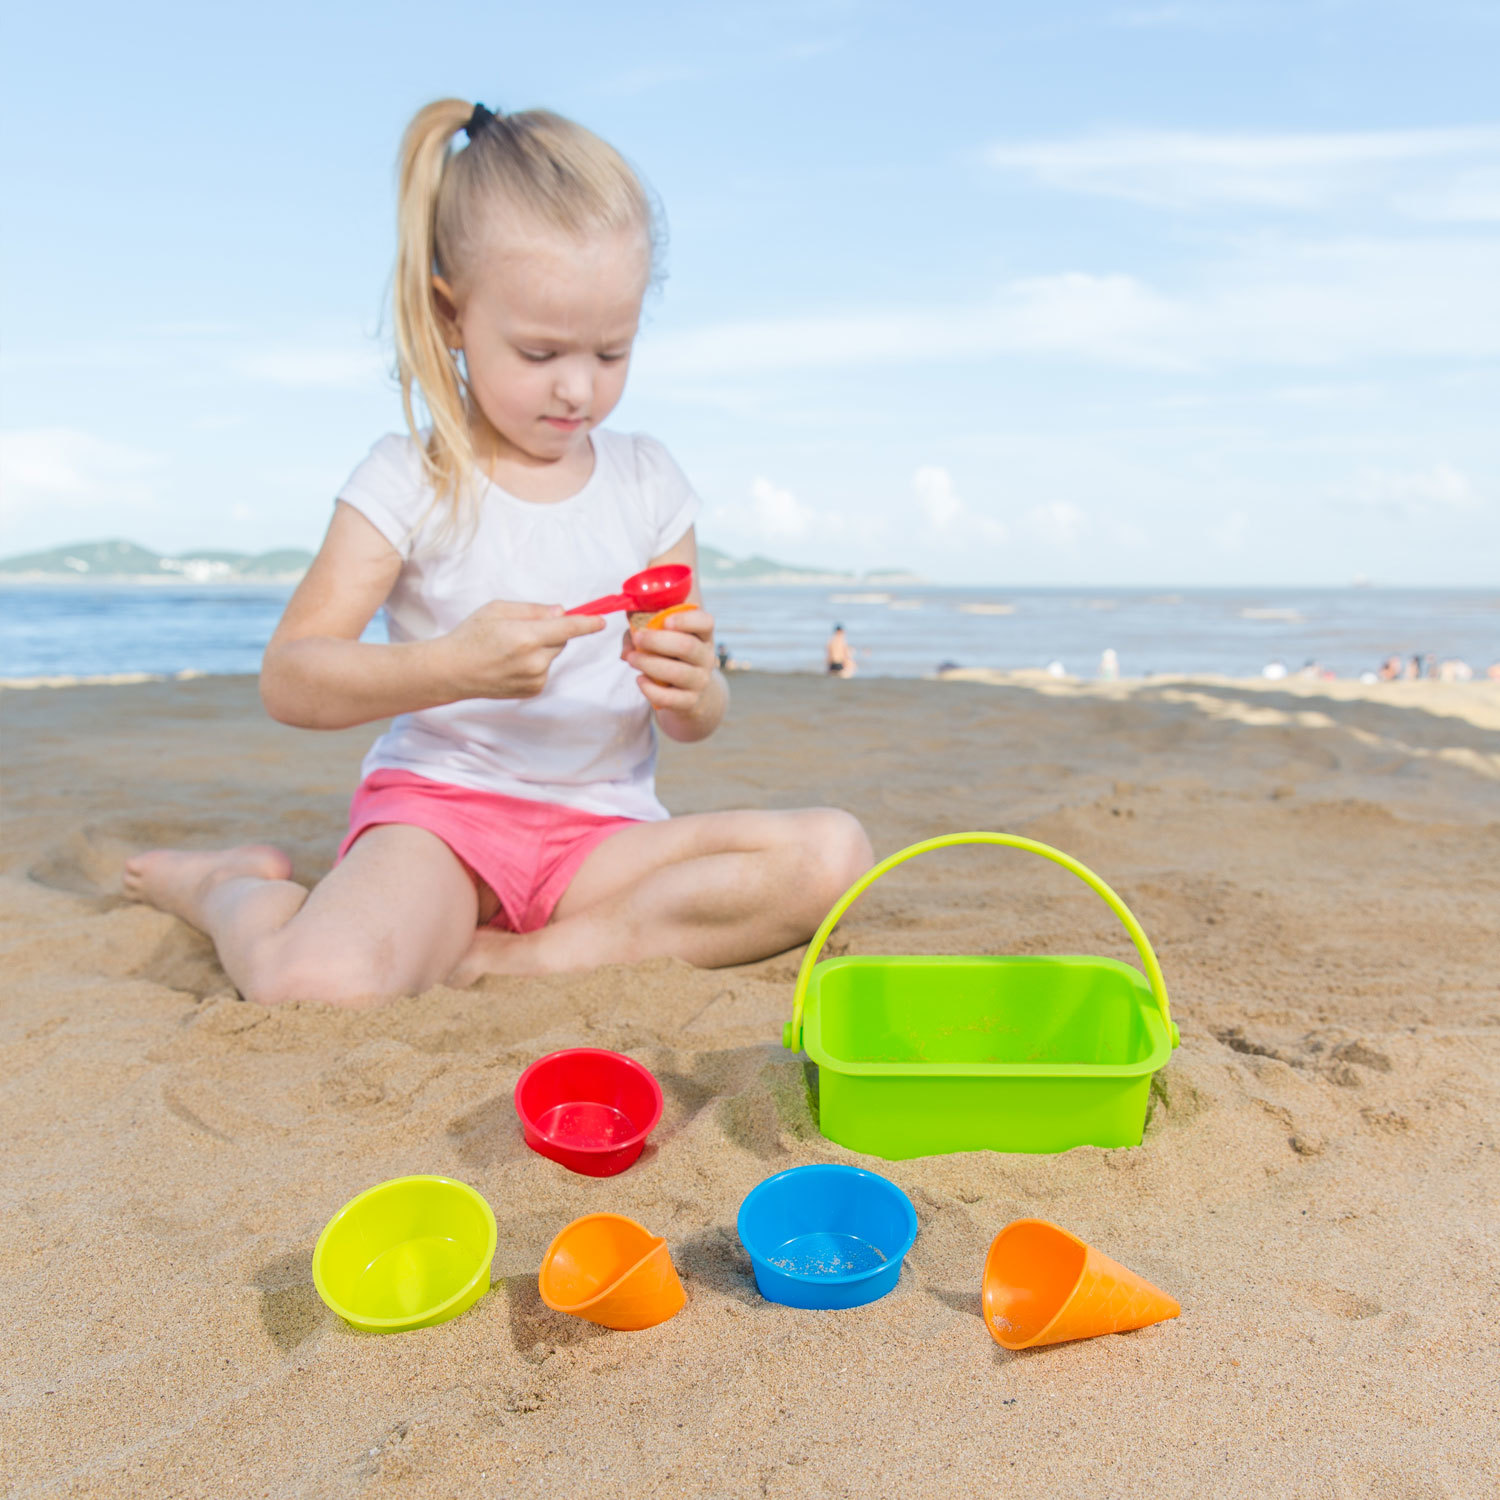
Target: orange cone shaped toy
(658,621)
(1043,1285)
(612,1271)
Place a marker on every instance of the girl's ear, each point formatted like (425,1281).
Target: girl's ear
(446,306)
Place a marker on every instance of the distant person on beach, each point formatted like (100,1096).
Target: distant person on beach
(840,654)
(508,820)
(1390,669)
(1109,665)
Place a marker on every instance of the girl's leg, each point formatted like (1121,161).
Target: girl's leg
(709,888)
(392,918)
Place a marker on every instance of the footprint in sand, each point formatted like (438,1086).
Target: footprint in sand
(1340,1302)
(87,862)
(489,1133)
(380,1072)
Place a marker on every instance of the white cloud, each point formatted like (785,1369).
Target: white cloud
(44,470)
(216,350)
(778,512)
(336,367)
(1464,198)
(1112,317)
(1269,303)
(939,504)
(947,516)
(1188,169)
(1410,496)
(650,77)
(772,516)
(1058,523)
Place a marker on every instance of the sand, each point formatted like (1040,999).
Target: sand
(1317,1184)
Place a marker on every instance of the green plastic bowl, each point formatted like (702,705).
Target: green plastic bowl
(406,1254)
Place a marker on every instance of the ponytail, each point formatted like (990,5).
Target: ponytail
(533,166)
(423,357)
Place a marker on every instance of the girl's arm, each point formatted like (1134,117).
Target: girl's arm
(679,667)
(318,674)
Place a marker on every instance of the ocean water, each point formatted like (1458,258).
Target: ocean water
(91,630)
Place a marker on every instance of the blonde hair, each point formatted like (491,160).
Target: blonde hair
(535,167)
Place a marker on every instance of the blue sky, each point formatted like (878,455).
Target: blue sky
(1099,293)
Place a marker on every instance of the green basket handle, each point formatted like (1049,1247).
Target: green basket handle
(791,1034)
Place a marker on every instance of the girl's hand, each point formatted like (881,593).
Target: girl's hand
(504,650)
(676,664)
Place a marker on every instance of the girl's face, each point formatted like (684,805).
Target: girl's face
(546,323)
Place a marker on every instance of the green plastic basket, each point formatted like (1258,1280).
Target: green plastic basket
(923,1056)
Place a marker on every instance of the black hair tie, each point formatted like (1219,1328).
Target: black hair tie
(478,120)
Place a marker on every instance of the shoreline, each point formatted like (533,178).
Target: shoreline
(109,679)
(232,584)
(1476,702)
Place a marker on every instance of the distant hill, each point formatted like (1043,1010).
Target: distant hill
(124,562)
(713,564)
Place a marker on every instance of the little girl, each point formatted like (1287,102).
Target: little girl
(507,821)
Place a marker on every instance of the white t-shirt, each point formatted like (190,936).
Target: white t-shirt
(588,740)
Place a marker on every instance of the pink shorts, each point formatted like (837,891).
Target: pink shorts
(526,852)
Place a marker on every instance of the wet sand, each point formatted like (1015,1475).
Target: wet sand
(1320,873)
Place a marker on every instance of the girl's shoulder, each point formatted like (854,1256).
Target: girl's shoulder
(661,493)
(394,459)
(391,489)
(640,460)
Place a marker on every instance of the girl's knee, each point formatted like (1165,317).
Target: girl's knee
(326,977)
(835,849)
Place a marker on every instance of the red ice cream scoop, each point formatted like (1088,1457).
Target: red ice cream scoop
(654,589)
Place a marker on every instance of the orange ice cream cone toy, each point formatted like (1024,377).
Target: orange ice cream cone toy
(645,620)
(1043,1285)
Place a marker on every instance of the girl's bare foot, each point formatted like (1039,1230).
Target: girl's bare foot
(179,880)
(487,955)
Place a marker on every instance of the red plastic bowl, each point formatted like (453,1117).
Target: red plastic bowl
(589,1109)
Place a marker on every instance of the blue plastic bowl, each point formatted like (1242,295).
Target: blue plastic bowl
(826,1236)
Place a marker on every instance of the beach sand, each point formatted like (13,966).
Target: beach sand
(1317,1185)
